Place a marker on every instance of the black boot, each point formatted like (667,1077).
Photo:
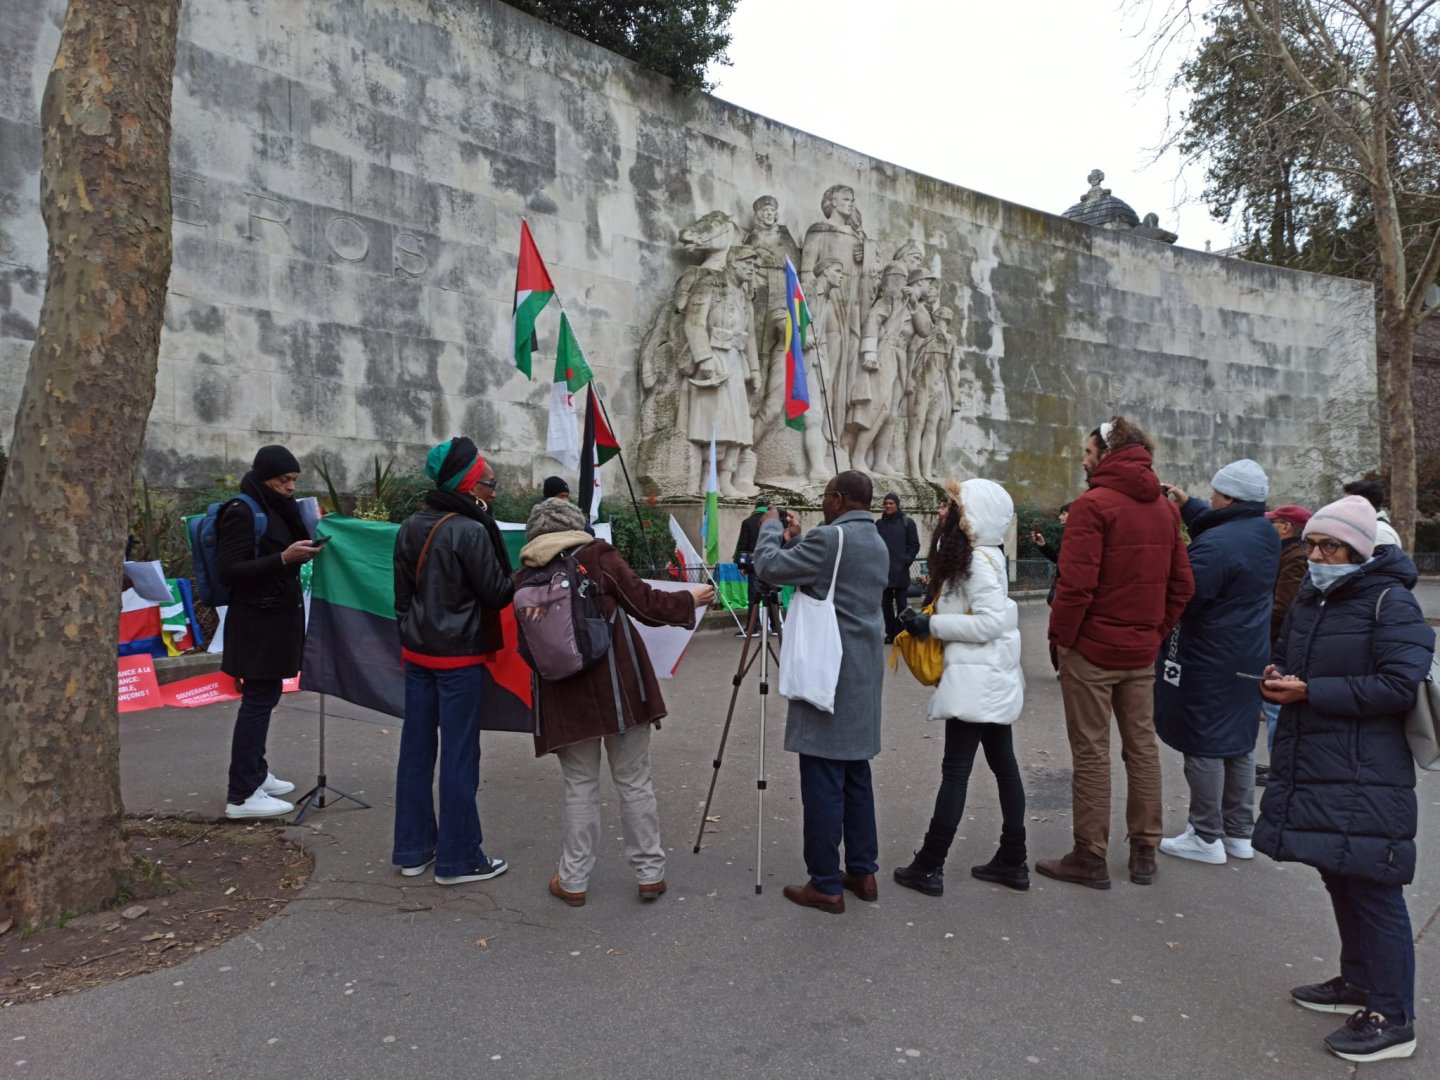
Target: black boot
(922,875)
(1008,867)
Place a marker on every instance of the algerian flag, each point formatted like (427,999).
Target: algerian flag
(711,527)
(533,290)
(562,442)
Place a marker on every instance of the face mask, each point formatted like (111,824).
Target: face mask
(1327,575)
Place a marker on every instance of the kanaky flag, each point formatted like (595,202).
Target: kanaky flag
(597,446)
(797,323)
(533,290)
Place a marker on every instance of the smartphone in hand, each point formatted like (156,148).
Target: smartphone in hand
(321,541)
(1250,677)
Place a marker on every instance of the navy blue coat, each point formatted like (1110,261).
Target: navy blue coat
(1341,793)
(1201,708)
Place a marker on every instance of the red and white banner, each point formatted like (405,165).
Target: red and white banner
(139,689)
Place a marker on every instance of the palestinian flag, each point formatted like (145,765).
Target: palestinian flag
(352,645)
(533,290)
(596,447)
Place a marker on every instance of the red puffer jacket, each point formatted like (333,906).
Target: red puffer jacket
(1124,575)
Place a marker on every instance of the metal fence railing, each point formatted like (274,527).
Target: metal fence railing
(1427,562)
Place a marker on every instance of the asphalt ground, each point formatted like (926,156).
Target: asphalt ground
(367,974)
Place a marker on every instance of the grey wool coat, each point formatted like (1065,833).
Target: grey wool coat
(852,732)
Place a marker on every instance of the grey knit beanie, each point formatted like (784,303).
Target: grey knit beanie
(554,515)
(1243,480)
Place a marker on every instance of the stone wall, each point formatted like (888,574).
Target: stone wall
(350,177)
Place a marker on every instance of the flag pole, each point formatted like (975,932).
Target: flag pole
(825,398)
(620,454)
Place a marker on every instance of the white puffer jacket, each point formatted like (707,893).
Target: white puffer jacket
(979,623)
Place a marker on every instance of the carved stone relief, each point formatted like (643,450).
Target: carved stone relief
(881,363)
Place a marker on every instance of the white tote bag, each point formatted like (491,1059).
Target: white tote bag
(810,650)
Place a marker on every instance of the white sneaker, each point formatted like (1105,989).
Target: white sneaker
(417,869)
(1189,846)
(273,785)
(1238,847)
(258,805)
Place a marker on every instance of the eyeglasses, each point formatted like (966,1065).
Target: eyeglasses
(1327,547)
(491,484)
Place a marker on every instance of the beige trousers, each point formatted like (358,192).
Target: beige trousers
(629,756)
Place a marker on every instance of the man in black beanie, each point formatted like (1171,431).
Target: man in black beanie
(265,622)
(556,488)
(902,540)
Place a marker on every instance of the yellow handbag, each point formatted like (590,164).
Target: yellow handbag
(925,659)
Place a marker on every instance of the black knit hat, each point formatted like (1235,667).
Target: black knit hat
(890,496)
(555,485)
(272,461)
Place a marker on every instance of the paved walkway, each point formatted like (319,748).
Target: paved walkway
(370,975)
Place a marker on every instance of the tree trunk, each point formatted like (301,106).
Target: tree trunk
(1398,406)
(105,195)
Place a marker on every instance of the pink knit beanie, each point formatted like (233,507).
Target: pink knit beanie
(1350,520)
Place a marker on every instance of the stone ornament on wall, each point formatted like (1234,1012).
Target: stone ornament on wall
(881,366)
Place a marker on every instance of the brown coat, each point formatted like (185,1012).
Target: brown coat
(583,706)
(1287,583)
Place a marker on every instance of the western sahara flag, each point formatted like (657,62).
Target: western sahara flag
(533,290)
(562,442)
(352,645)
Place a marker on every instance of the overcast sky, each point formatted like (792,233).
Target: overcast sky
(1019,100)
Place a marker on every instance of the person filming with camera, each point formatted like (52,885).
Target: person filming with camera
(835,748)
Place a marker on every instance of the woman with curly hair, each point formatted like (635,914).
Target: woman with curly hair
(982,688)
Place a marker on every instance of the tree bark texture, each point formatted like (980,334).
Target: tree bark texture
(105,196)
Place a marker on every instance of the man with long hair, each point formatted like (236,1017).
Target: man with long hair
(1124,581)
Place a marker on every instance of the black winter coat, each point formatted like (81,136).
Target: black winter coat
(451,618)
(1201,708)
(902,540)
(1341,793)
(265,622)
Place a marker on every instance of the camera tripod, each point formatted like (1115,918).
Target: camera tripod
(764,607)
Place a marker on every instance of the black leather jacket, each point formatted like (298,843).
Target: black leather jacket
(451,617)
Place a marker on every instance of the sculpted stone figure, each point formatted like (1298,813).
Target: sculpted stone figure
(774,244)
(905,325)
(823,422)
(930,396)
(840,236)
(910,255)
(724,367)
(667,459)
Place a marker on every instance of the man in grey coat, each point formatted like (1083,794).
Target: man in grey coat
(835,749)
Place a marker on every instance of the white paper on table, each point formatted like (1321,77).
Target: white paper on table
(217,640)
(667,644)
(148,578)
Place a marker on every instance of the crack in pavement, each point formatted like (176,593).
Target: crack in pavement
(1425,929)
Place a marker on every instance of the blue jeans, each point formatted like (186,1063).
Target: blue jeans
(1271,710)
(1377,950)
(248,767)
(442,714)
(839,804)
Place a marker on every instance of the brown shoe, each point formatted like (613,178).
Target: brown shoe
(808,896)
(1142,864)
(1079,867)
(863,887)
(574,899)
(651,890)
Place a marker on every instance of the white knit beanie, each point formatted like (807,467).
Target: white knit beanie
(1243,480)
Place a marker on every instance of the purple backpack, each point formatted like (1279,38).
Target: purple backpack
(557,611)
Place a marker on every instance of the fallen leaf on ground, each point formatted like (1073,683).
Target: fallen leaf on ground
(1171,944)
(6,923)
(481,943)
(713,817)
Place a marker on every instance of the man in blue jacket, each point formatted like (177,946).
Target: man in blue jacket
(1203,707)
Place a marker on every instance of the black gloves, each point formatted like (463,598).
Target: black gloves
(917,625)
